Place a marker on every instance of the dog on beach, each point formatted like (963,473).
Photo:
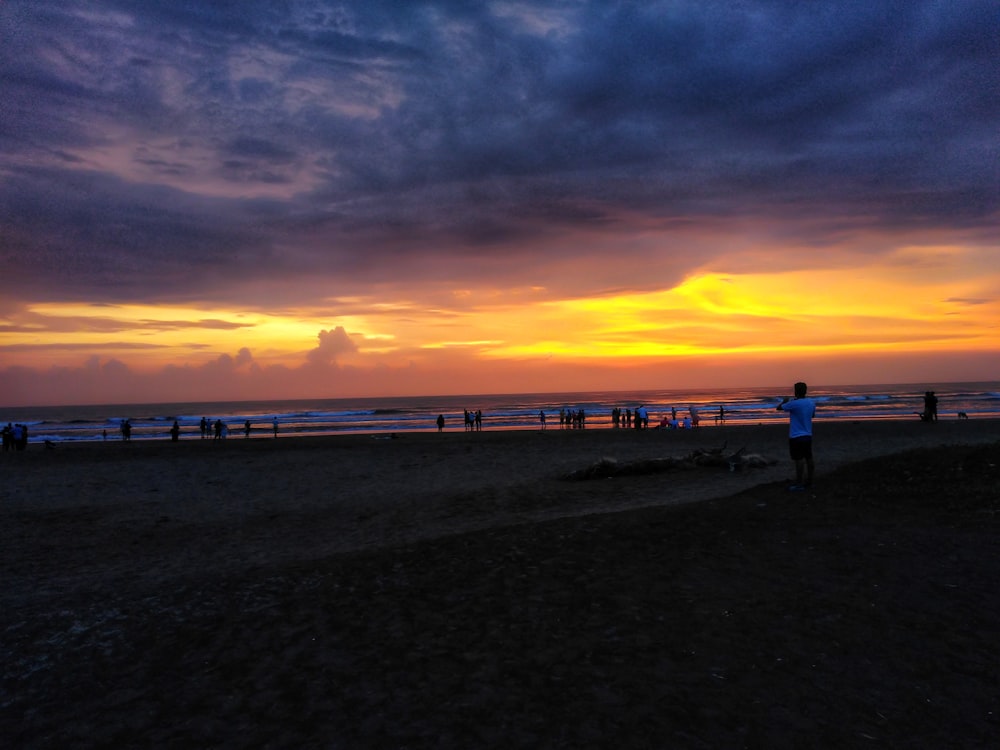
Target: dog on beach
(963,415)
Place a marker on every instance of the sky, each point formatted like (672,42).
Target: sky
(262,199)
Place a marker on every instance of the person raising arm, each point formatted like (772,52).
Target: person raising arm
(801,411)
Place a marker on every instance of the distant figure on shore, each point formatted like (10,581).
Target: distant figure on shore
(204,427)
(479,420)
(801,411)
(19,436)
(693,411)
(175,432)
(930,407)
(126,430)
(246,429)
(274,426)
(541,417)
(721,416)
(440,422)
(218,429)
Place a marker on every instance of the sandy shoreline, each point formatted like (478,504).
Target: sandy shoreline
(381,491)
(121,559)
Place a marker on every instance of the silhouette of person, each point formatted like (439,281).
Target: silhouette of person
(930,407)
(440,422)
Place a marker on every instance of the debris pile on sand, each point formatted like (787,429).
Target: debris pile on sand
(716,457)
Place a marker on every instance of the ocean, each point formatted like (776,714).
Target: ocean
(63,424)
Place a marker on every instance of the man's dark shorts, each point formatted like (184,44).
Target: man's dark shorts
(801,448)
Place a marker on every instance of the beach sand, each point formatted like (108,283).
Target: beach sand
(457,591)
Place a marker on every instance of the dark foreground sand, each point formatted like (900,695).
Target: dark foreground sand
(456,591)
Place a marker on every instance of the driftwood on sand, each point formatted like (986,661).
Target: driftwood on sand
(714,457)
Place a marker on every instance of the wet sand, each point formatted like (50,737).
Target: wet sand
(456,590)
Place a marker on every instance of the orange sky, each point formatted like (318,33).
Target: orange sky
(375,199)
(918,314)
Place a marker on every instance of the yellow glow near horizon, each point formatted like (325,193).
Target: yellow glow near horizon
(882,310)
(803,311)
(170,332)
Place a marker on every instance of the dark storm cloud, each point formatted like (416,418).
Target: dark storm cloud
(119,241)
(259,148)
(163,150)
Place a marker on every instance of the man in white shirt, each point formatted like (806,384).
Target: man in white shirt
(801,411)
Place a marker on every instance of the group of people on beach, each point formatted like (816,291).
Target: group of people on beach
(473,420)
(621,418)
(573,418)
(15,437)
(639,419)
(568,418)
(219,430)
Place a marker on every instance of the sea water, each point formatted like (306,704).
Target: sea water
(500,411)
